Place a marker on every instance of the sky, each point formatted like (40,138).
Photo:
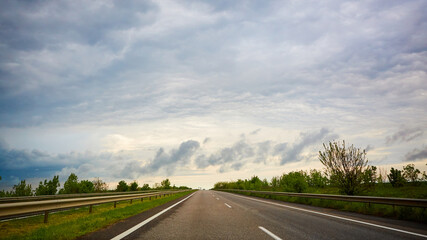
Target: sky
(207,91)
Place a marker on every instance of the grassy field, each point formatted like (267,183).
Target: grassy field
(381,190)
(74,223)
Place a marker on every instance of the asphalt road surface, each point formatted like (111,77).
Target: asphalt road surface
(220,215)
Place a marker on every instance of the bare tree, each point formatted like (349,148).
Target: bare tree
(345,166)
(99,185)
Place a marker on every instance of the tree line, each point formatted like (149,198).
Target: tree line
(345,168)
(72,186)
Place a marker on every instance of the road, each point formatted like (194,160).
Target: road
(220,215)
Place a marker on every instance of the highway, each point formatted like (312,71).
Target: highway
(220,215)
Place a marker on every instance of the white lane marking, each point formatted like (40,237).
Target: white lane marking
(270,233)
(217,198)
(227,205)
(134,228)
(342,218)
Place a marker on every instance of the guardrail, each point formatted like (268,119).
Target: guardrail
(408,202)
(8,210)
(63,196)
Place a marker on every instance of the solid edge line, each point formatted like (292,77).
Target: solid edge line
(342,218)
(227,205)
(269,233)
(134,228)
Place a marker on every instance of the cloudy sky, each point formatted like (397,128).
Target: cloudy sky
(207,91)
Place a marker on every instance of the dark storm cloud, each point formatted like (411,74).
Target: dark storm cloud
(405,134)
(263,151)
(292,154)
(416,154)
(255,131)
(227,156)
(206,140)
(369,147)
(20,164)
(163,161)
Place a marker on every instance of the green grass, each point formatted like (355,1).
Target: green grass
(383,190)
(74,223)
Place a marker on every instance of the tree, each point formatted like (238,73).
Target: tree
(395,177)
(133,186)
(369,177)
(275,183)
(254,183)
(145,187)
(424,176)
(294,182)
(410,173)
(86,186)
(316,179)
(122,186)
(48,187)
(71,185)
(99,185)
(166,184)
(22,189)
(344,165)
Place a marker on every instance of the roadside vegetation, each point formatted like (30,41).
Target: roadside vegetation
(71,224)
(346,172)
(72,185)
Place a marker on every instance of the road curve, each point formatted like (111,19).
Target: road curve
(220,215)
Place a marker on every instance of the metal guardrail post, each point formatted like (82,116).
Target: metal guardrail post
(46,215)
(131,201)
(115,204)
(90,209)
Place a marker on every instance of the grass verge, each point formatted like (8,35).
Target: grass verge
(398,212)
(77,222)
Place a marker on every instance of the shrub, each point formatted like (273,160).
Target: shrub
(395,177)
(344,165)
(410,173)
(294,182)
(48,187)
(122,186)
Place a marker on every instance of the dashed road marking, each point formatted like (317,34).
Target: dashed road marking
(269,233)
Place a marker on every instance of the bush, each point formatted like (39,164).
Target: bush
(22,189)
(122,186)
(48,188)
(369,177)
(145,187)
(345,166)
(410,173)
(86,186)
(395,177)
(71,185)
(133,186)
(166,184)
(99,185)
(316,179)
(294,182)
